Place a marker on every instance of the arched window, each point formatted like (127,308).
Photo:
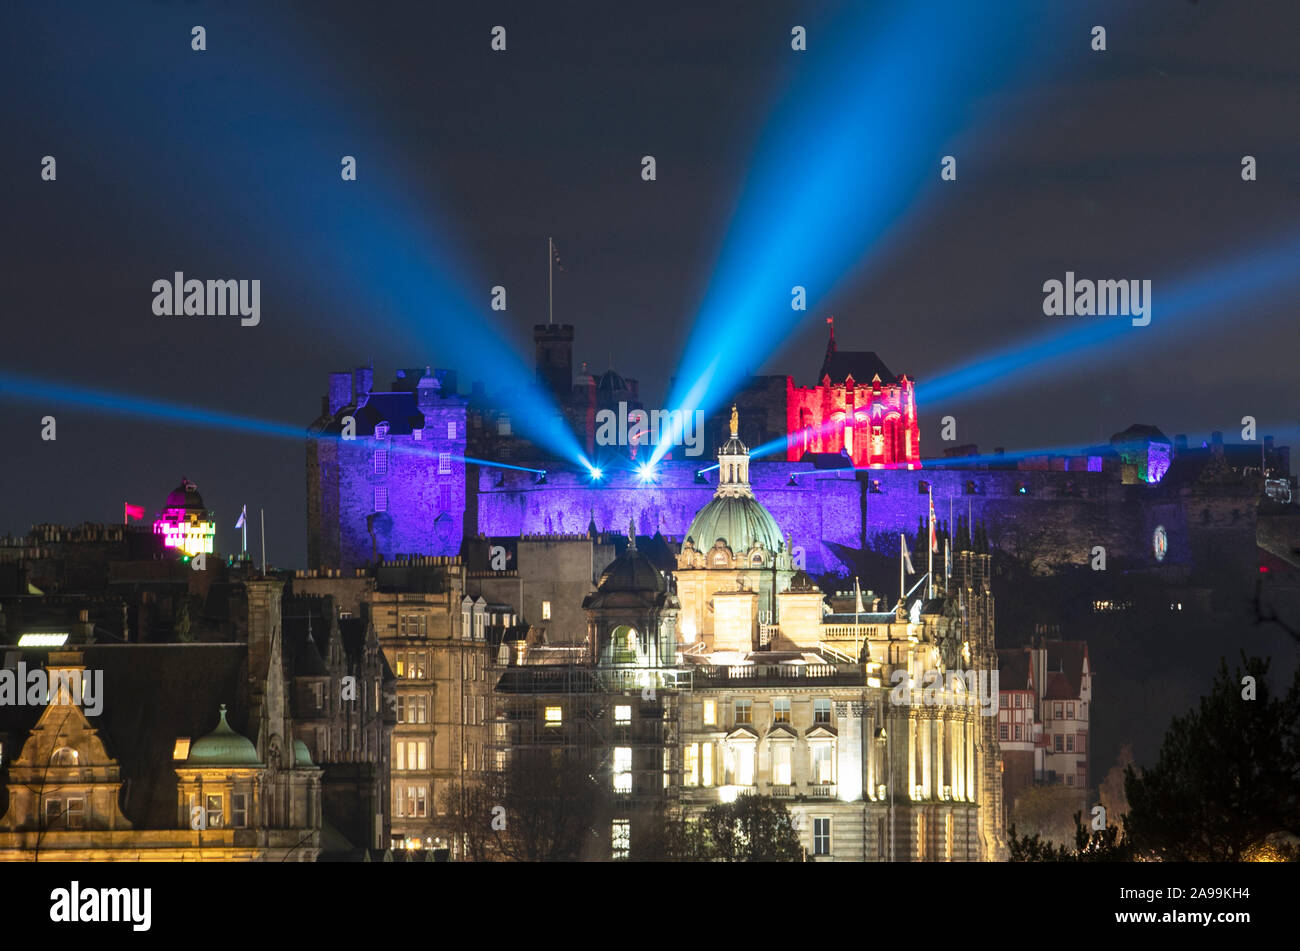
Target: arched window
(64,756)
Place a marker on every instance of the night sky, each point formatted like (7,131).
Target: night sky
(225,164)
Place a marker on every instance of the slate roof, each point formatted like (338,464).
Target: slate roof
(862,365)
(152,694)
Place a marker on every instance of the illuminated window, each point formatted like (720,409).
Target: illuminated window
(706,766)
(64,756)
(381,430)
(744,711)
(444,463)
(215,814)
(947,834)
(554,716)
(546,610)
(781,710)
(412,754)
(622,769)
(781,764)
(182,748)
(623,713)
(691,765)
(822,836)
(381,462)
(451,429)
(743,764)
(823,764)
(710,711)
(620,839)
(821,711)
(381,498)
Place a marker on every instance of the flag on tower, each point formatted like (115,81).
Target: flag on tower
(130,511)
(243,518)
(555,253)
(857,590)
(907,555)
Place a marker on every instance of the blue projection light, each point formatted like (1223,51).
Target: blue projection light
(842,162)
(374,249)
(1179,306)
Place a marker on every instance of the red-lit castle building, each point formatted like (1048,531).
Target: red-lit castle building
(857,407)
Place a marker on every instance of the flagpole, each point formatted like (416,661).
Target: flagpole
(901,549)
(550,268)
(263,541)
(929,544)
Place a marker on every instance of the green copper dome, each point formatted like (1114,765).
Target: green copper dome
(734,515)
(223,747)
(301,755)
(740,521)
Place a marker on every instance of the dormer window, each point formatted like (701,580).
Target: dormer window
(381,430)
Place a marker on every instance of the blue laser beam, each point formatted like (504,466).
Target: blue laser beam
(844,159)
(1184,305)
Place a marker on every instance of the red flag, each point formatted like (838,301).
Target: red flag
(130,511)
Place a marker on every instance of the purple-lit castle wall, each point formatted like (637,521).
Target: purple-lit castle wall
(398,486)
(1051,517)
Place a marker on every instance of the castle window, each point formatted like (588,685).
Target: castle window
(381,462)
(417,434)
(444,463)
(546,610)
(451,429)
(381,498)
(381,430)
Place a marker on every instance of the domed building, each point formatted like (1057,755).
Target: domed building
(632,614)
(185,523)
(733,563)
